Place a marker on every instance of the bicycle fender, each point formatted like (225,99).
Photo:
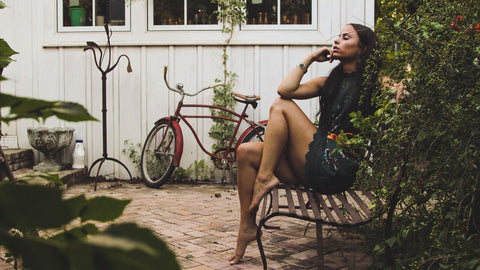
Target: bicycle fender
(244,133)
(178,140)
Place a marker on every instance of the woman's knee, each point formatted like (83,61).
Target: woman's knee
(281,104)
(250,152)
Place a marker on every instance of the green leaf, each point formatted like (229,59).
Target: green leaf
(123,246)
(2,5)
(31,206)
(5,53)
(22,107)
(71,112)
(391,241)
(75,205)
(422,135)
(50,177)
(36,253)
(75,234)
(103,209)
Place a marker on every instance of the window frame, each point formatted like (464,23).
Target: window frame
(93,28)
(184,27)
(278,26)
(244,27)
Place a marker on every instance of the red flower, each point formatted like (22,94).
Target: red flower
(459,18)
(478,27)
(454,25)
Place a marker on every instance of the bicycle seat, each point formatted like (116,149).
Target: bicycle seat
(245,98)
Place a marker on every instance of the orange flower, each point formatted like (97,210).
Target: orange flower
(332,136)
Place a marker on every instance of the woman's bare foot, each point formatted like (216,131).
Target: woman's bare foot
(244,238)
(261,188)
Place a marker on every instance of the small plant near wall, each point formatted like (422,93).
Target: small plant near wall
(200,171)
(134,153)
(231,13)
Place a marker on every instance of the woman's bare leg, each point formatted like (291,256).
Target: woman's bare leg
(289,130)
(249,156)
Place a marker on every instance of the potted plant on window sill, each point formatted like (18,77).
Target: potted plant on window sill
(78,11)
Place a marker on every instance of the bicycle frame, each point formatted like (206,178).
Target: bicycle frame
(175,119)
(239,119)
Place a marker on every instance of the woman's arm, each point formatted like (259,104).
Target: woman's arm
(291,88)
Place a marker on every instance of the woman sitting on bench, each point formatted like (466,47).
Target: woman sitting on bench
(289,135)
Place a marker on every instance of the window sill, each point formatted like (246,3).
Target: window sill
(188,38)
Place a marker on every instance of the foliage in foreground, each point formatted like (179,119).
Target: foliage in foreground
(427,147)
(48,231)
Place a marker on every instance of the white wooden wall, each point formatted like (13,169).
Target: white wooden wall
(135,100)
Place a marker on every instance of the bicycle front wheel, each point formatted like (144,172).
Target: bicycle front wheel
(157,155)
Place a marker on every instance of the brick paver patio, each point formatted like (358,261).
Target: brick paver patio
(200,223)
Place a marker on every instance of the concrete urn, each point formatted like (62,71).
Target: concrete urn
(49,141)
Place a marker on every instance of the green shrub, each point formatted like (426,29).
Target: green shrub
(426,148)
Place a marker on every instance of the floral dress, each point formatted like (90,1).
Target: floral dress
(316,156)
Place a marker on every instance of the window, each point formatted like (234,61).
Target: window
(88,15)
(281,14)
(179,14)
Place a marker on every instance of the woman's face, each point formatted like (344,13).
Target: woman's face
(346,46)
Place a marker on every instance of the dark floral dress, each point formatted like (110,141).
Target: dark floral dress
(340,122)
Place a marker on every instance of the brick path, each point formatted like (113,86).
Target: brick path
(200,224)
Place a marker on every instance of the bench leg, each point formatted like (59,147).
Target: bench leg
(320,262)
(259,243)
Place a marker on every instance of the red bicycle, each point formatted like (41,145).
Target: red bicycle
(163,147)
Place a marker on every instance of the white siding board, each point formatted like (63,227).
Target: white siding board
(185,70)
(129,112)
(271,73)
(72,82)
(157,101)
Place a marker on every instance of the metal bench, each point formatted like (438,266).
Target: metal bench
(346,209)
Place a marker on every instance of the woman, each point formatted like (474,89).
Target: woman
(282,155)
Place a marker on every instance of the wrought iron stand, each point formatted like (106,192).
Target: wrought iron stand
(98,62)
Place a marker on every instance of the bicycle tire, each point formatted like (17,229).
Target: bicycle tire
(158,167)
(252,135)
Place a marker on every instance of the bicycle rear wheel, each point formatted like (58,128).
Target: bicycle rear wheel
(255,135)
(157,155)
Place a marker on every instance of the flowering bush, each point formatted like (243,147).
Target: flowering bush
(426,147)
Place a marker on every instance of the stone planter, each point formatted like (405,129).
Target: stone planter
(49,141)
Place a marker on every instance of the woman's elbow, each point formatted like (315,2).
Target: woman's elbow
(284,92)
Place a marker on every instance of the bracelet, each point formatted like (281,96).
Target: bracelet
(302,67)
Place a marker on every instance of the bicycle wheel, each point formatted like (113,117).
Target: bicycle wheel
(255,135)
(157,155)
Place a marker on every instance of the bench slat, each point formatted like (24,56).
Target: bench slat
(314,205)
(301,202)
(275,200)
(360,203)
(350,209)
(336,209)
(325,207)
(264,206)
(291,204)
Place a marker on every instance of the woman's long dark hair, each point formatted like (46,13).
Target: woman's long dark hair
(368,40)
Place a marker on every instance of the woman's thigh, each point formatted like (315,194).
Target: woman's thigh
(300,134)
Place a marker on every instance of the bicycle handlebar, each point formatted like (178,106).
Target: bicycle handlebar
(179,87)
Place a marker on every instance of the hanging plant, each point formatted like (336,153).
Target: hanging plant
(232,14)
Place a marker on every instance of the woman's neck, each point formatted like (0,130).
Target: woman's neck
(349,66)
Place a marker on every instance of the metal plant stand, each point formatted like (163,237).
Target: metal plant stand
(99,59)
